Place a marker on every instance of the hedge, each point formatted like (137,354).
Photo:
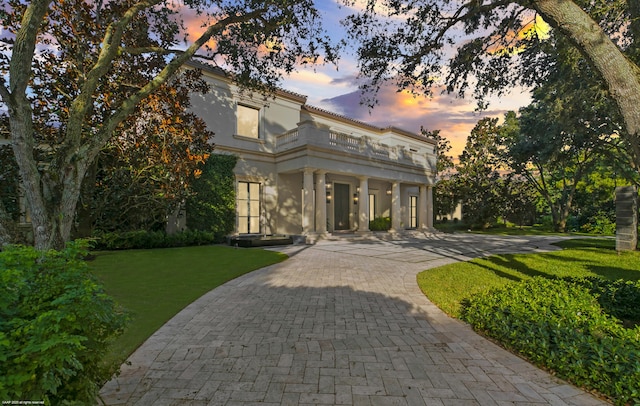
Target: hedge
(560,324)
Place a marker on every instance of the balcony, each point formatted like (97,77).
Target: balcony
(309,135)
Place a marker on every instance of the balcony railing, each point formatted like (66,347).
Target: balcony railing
(308,135)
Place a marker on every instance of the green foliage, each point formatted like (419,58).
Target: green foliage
(560,325)
(446,196)
(380,224)
(147,169)
(56,323)
(619,298)
(599,223)
(519,201)
(444,161)
(566,144)
(478,178)
(153,239)
(212,207)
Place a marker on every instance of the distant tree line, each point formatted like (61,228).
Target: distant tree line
(557,161)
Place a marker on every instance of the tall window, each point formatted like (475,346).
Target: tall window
(372,207)
(248,202)
(248,121)
(413,221)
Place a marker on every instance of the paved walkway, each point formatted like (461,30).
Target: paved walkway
(340,322)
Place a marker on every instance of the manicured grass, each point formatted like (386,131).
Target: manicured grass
(447,286)
(154,285)
(499,229)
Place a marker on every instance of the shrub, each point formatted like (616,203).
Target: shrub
(620,298)
(153,239)
(212,207)
(599,223)
(56,323)
(560,325)
(380,224)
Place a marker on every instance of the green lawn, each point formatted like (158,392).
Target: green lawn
(500,229)
(154,285)
(446,286)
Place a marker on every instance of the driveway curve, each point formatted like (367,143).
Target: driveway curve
(340,322)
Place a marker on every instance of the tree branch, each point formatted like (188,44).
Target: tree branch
(24,46)
(473,11)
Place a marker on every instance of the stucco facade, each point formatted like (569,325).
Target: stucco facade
(305,171)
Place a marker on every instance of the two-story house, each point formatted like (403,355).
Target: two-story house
(306,171)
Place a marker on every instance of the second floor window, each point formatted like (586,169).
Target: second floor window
(248,121)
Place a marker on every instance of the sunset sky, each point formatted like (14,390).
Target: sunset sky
(337,90)
(454,117)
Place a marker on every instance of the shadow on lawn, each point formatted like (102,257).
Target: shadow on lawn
(583,258)
(510,261)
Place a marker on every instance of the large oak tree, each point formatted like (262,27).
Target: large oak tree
(72,71)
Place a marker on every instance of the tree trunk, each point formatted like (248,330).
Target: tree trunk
(556,218)
(51,196)
(621,74)
(85,214)
(22,144)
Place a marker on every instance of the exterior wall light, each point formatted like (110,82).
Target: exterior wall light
(355,198)
(388,191)
(328,196)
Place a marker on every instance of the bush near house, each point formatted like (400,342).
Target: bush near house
(56,323)
(380,224)
(153,239)
(212,207)
(571,326)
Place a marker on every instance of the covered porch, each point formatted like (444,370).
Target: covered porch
(334,202)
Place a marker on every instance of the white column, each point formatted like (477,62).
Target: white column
(307,201)
(395,208)
(422,208)
(363,205)
(321,202)
(430,208)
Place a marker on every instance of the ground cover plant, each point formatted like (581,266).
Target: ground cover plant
(154,285)
(575,311)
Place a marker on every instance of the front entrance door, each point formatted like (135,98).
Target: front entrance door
(341,206)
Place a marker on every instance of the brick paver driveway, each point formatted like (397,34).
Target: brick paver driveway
(340,322)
